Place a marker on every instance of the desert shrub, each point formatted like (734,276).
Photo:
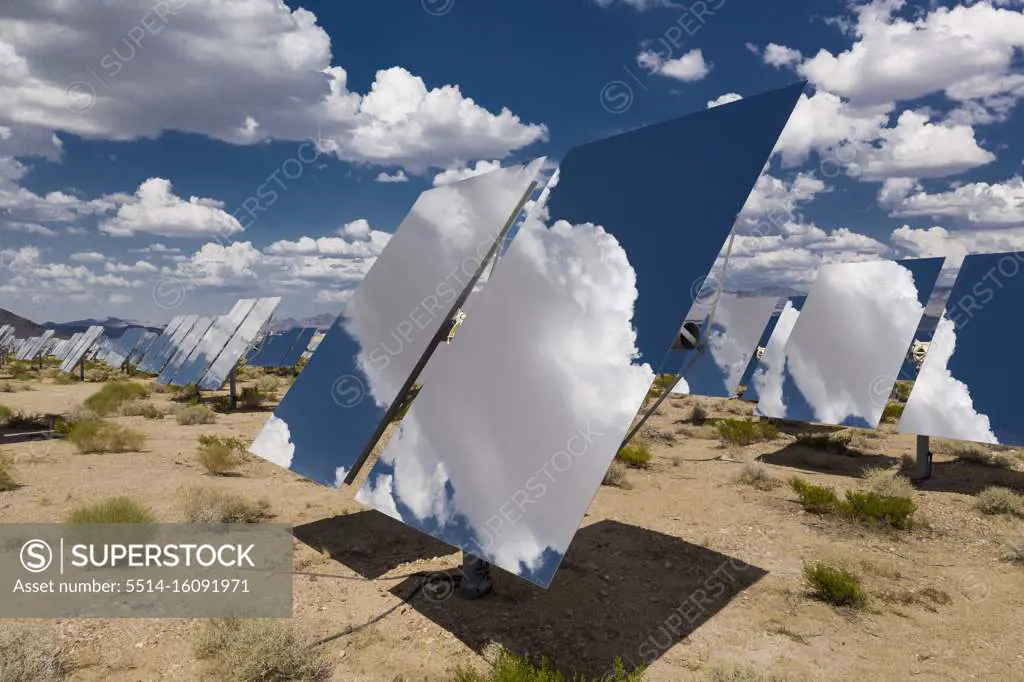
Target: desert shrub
(259,651)
(101,374)
(836,443)
(163,388)
(91,436)
(268,385)
(996,500)
(113,396)
(63,378)
(816,499)
(887,483)
(756,474)
(120,509)
(186,394)
(741,674)
(7,481)
(901,391)
(6,414)
(975,454)
(251,397)
(508,667)
(892,412)
(8,387)
(141,408)
(698,415)
(196,414)
(32,652)
(206,505)
(26,420)
(1014,553)
(872,508)
(220,455)
(221,405)
(740,432)
(616,476)
(636,455)
(834,586)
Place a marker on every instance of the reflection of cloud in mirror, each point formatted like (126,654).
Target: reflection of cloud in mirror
(850,340)
(940,404)
(766,383)
(736,327)
(448,459)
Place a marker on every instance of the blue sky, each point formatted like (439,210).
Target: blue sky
(907,129)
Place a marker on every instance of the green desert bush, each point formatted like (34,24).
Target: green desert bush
(816,499)
(207,505)
(63,379)
(997,500)
(109,399)
(142,408)
(7,480)
(92,436)
(698,415)
(835,443)
(6,414)
(901,391)
(186,394)
(835,586)
(636,455)
(259,651)
(120,509)
(892,412)
(616,476)
(196,414)
(508,667)
(740,432)
(251,398)
(268,385)
(32,652)
(872,508)
(976,454)
(220,455)
(756,474)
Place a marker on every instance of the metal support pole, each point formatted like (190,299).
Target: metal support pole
(923,465)
(476,578)
(81,369)
(233,387)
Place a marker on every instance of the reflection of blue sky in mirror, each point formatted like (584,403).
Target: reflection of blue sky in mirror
(506,444)
(157,357)
(331,412)
(737,324)
(185,349)
(273,348)
(298,347)
(213,343)
(762,372)
(965,389)
(849,341)
(148,356)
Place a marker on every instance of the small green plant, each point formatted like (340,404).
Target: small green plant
(5,415)
(196,414)
(109,399)
(740,432)
(836,443)
(220,455)
(93,436)
(756,474)
(508,667)
(698,415)
(816,499)
(259,651)
(997,500)
(892,412)
(835,586)
(901,391)
(120,509)
(251,398)
(636,455)
(7,481)
(207,505)
(141,408)
(32,652)
(616,476)
(872,508)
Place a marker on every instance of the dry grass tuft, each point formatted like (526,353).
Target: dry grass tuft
(996,500)
(220,455)
(93,436)
(32,652)
(207,505)
(756,474)
(616,476)
(259,651)
(196,414)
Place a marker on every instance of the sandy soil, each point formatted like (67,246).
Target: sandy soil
(689,569)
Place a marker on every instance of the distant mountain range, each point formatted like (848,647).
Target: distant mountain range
(112,326)
(322,322)
(23,327)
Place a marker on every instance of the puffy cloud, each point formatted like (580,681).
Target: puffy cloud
(940,404)
(274,443)
(689,67)
(456,174)
(976,205)
(821,123)
(155,209)
(767,379)
(398,176)
(88,257)
(781,56)
(724,99)
(954,245)
(275,61)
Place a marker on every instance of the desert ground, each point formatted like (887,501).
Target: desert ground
(682,565)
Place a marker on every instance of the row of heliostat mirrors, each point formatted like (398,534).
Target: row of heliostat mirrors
(517,417)
(515,421)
